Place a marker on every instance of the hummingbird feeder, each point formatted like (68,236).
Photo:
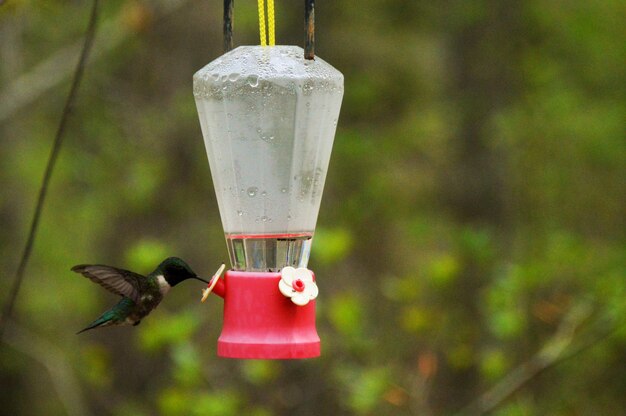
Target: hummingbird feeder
(268,116)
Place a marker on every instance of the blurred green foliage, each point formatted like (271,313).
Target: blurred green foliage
(476,197)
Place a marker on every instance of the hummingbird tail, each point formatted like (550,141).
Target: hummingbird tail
(117,315)
(104,320)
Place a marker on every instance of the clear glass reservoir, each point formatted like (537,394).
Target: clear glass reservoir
(268,118)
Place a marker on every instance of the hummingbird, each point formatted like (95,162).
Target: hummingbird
(140,294)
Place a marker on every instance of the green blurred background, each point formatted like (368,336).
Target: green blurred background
(471,230)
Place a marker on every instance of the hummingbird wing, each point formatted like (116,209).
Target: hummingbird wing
(119,281)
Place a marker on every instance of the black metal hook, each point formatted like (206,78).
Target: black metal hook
(309,29)
(228,24)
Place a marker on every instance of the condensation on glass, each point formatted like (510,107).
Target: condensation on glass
(268,118)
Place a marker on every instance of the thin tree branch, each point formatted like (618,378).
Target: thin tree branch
(610,327)
(58,67)
(54,153)
(551,354)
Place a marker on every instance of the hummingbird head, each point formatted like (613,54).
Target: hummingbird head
(175,270)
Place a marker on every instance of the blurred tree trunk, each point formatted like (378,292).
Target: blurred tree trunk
(485,49)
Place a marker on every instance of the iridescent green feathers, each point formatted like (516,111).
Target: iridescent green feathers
(117,315)
(140,294)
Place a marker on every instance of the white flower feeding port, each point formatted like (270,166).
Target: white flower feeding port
(268,117)
(298,285)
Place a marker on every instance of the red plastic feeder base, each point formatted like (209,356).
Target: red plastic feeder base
(261,323)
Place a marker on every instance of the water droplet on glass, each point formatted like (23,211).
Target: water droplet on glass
(264,218)
(263,193)
(283,190)
(233,77)
(252,191)
(267,138)
(253,81)
(240,213)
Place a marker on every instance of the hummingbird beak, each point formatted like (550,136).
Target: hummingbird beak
(200,279)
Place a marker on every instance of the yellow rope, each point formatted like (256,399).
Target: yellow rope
(262,34)
(271,22)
